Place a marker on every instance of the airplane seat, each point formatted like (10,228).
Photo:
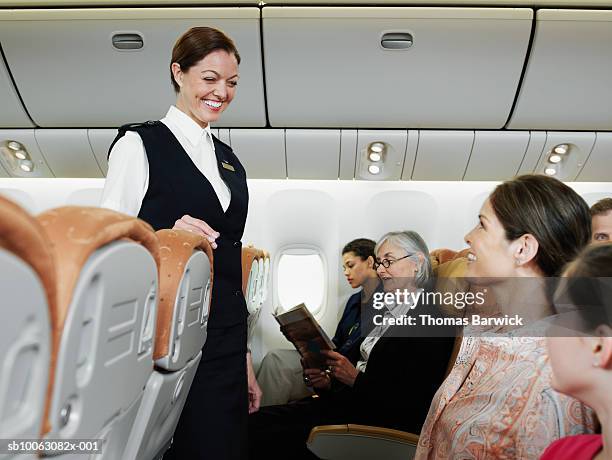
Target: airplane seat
(252,283)
(361,442)
(27,283)
(102,340)
(186,278)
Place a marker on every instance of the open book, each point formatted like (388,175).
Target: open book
(305,333)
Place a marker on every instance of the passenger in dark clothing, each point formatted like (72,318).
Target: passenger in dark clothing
(281,376)
(393,382)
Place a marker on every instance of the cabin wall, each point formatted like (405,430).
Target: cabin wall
(320,214)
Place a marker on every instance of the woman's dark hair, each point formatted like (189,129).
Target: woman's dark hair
(361,247)
(589,285)
(197,43)
(546,208)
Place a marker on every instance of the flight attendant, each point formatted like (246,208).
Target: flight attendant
(174,174)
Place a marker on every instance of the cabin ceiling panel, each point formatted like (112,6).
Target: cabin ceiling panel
(68,152)
(100,141)
(261,152)
(341,66)
(12,114)
(348,153)
(390,146)
(537,140)
(312,153)
(70,71)
(567,84)
(496,155)
(411,151)
(571,149)
(443,155)
(25,159)
(598,167)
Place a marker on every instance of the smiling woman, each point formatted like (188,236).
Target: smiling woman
(174,173)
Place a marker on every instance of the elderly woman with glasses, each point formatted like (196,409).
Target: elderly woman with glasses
(395,379)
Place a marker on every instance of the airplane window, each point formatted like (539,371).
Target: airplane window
(301,279)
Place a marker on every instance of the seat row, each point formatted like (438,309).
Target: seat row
(103,325)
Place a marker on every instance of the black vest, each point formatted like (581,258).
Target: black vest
(176,188)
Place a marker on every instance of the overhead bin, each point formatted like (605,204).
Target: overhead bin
(567,84)
(12,114)
(386,67)
(106,67)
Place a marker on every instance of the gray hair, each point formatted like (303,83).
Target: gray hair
(411,242)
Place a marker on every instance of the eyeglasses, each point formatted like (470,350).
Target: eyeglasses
(388,262)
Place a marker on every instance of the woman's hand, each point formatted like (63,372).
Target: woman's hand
(255,392)
(191,224)
(341,367)
(316,378)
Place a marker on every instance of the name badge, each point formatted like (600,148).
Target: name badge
(228,166)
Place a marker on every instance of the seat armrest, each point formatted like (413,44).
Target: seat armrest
(356,442)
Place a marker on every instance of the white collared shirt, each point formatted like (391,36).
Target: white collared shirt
(397,310)
(127,179)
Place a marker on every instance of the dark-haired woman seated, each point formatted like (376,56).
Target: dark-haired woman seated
(391,385)
(498,400)
(281,375)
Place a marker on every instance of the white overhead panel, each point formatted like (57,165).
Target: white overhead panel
(380,154)
(312,153)
(20,155)
(411,152)
(106,67)
(68,152)
(100,141)
(537,140)
(386,67)
(3,172)
(598,167)
(496,155)
(567,84)
(442,155)
(348,153)
(12,114)
(564,154)
(261,152)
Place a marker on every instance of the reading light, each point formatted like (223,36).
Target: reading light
(374,169)
(561,149)
(375,156)
(26,165)
(14,145)
(20,155)
(554,158)
(550,171)
(377,147)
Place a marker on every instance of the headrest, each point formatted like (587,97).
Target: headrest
(22,235)
(176,247)
(74,233)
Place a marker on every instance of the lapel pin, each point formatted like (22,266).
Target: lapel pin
(227,166)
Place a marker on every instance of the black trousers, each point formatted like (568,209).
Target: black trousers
(213,424)
(280,432)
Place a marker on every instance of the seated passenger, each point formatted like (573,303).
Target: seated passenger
(281,376)
(497,401)
(391,385)
(601,215)
(582,364)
